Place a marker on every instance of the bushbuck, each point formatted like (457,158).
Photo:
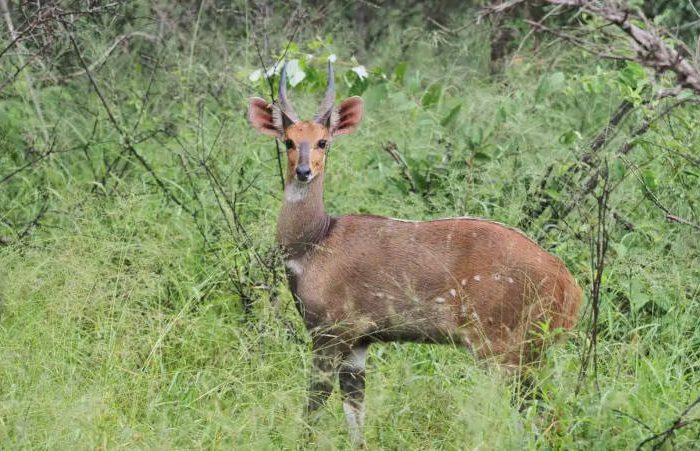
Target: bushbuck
(358,279)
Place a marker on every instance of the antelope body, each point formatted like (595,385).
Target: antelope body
(359,279)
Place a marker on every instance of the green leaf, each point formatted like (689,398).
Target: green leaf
(400,72)
(451,115)
(649,179)
(501,115)
(637,295)
(481,156)
(359,84)
(617,170)
(569,137)
(633,75)
(432,95)
(554,194)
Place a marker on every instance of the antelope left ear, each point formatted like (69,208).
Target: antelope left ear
(262,117)
(348,116)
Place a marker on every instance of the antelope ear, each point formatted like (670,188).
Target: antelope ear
(348,117)
(262,118)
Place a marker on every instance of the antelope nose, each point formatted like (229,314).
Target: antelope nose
(303,172)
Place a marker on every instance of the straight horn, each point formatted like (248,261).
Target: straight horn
(325,111)
(285,106)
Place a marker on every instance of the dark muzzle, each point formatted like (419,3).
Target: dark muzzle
(303,172)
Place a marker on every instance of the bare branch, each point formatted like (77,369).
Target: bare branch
(4,9)
(670,217)
(125,138)
(652,51)
(659,439)
(393,150)
(499,8)
(120,39)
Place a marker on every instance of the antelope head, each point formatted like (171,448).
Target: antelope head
(307,142)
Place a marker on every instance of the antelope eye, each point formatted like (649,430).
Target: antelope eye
(289,143)
(322,144)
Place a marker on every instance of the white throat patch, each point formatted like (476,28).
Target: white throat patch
(296,191)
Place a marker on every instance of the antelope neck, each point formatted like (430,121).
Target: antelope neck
(303,221)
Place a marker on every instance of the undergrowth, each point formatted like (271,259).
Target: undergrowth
(128,320)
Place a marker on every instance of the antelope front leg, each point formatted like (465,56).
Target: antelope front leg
(352,386)
(323,370)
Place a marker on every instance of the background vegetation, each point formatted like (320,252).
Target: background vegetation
(142,304)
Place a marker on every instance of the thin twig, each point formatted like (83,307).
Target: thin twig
(670,216)
(599,248)
(679,423)
(125,138)
(393,150)
(27,75)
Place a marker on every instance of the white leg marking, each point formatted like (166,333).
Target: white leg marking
(355,418)
(355,415)
(358,357)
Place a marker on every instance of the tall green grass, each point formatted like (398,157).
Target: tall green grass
(119,324)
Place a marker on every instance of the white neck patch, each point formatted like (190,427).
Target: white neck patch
(296,191)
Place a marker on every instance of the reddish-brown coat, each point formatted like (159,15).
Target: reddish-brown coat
(361,278)
(462,280)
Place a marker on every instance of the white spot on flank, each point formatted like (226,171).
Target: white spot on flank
(464,282)
(477,277)
(294,266)
(439,300)
(510,280)
(453,292)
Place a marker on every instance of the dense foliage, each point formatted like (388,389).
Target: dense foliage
(142,304)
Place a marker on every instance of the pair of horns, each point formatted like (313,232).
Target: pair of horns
(324,110)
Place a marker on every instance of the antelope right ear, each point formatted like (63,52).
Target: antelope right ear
(348,116)
(262,117)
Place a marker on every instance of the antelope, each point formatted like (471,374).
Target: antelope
(358,279)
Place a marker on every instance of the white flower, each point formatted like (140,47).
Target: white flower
(255,75)
(361,72)
(295,73)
